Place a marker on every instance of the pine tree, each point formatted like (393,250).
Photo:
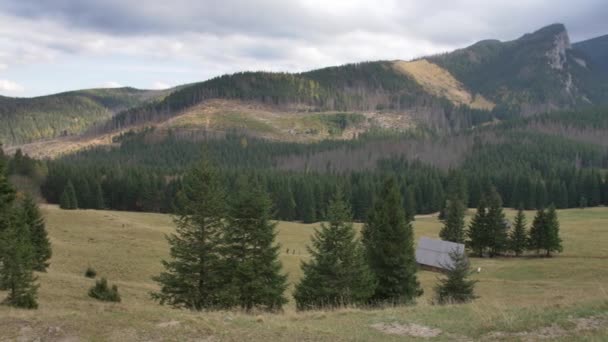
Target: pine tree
(456,287)
(552,242)
(477,232)
(537,231)
(37,232)
(252,257)
(519,236)
(497,230)
(16,267)
(337,273)
(453,227)
(192,278)
(68,198)
(389,246)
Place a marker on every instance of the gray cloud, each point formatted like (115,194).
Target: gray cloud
(452,22)
(213,37)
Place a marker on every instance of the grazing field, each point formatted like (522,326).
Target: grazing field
(562,298)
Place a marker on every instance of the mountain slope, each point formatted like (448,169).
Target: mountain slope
(30,119)
(488,81)
(537,72)
(363,88)
(596,50)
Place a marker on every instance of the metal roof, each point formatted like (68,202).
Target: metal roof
(436,253)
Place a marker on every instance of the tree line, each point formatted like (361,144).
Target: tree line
(490,233)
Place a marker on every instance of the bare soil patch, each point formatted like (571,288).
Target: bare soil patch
(411,329)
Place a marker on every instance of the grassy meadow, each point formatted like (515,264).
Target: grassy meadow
(561,298)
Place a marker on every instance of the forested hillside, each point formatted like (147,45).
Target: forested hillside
(362,87)
(29,119)
(557,158)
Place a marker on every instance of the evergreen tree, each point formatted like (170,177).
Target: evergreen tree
(68,198)
(453,227)
(497,230)
(456,287)
(537,231)
(16,267)
(389,245)
(193,276)
(519,236)
(477,233)
(252,258)
(41,245)
(552,242)
(337,274)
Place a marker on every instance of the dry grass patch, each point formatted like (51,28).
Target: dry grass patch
(440,82)
(516,295)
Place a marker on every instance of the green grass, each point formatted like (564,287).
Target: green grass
(516,295)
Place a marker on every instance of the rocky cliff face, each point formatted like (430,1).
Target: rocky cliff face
(557,55)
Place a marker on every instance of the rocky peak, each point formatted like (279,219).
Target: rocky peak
(557,55)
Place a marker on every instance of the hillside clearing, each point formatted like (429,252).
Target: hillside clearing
(520,298)
(440,82)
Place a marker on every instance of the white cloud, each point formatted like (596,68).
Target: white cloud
(193,40)
(160,85)
(10,86)
(3,66)
(111,84)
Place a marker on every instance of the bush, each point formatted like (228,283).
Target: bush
(90,272)
(103,292)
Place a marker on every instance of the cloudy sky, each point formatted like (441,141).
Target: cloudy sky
(48,46)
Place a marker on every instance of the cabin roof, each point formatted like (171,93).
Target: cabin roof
(436,253)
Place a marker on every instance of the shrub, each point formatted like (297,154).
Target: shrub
(103,292)
(90,272)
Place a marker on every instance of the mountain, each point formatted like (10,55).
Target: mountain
(535,73)
(538,72)
(596,50)
(30,119)
(487,82)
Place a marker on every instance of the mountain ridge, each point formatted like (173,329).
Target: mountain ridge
(489,80)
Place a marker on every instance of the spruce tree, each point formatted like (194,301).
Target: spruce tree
(477,232)
(456,287)
(497,230)
(453,227)
(252,265)
(537,231)
(552,242)
(389,246)
(337,273)
(38,235)
(193,276)
(16,267)
(519,236)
